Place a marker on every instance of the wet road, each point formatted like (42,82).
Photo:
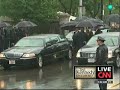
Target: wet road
(58,75)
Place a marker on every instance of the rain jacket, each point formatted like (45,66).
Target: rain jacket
(102,55)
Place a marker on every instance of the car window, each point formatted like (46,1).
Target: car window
(54,38)
(47,40)
(109,41)
(30,42)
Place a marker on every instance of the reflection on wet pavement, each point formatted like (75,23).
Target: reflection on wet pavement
(58,75)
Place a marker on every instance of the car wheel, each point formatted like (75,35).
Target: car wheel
(40,62)
(117,62)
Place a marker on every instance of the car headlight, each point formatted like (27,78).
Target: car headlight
(110,54)
(2,55)
(78,54)
(27,55)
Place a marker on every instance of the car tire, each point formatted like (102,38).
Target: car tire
(69,54)
(40,62)
(117,61)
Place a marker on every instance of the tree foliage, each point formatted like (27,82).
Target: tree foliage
(29,9)
(46,10)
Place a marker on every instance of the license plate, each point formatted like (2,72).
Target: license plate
(11,61)
(91,60)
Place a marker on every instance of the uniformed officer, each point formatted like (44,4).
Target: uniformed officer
(101,58)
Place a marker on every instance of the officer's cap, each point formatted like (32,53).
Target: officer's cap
(100,38)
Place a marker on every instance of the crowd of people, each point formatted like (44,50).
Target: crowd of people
(9,37)
(81,37)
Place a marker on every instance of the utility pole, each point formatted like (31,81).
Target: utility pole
(80,8)
(101,10)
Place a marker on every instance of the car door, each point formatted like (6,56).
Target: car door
(63,45)
(48,51)
(55,46)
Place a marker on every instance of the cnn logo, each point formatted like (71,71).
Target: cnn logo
(104,72)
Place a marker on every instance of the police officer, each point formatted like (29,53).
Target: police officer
(101,58)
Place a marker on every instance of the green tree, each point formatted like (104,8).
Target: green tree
(37,10)
(69,6)
(46,10)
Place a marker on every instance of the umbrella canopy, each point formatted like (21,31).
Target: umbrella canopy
(24,24)
(72,24)
(88,23)
(4,24)
(96,20)
(113,18)
(69,24)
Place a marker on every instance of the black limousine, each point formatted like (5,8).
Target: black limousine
(36,50)
(87,53)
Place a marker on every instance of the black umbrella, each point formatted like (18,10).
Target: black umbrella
(72,24)
(4,24)
(88,23)
(69,24)
(96,20)
(113,18)
(24,24)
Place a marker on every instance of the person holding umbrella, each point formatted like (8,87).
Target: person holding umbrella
(78,40)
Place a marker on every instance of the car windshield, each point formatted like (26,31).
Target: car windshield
(30,42)
(110,41)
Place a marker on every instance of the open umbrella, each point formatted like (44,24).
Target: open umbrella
(69,25)
(4,24)
(96,20)
(113,18)
(88,23)
(24,24)
(72,24)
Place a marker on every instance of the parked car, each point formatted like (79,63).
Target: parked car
(36,50)
(87,53)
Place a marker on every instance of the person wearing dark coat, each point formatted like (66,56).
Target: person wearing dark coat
(6,39)
(98,31)
(1,41)
(90,34)
(79,39)
(84,38)
(101,59)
